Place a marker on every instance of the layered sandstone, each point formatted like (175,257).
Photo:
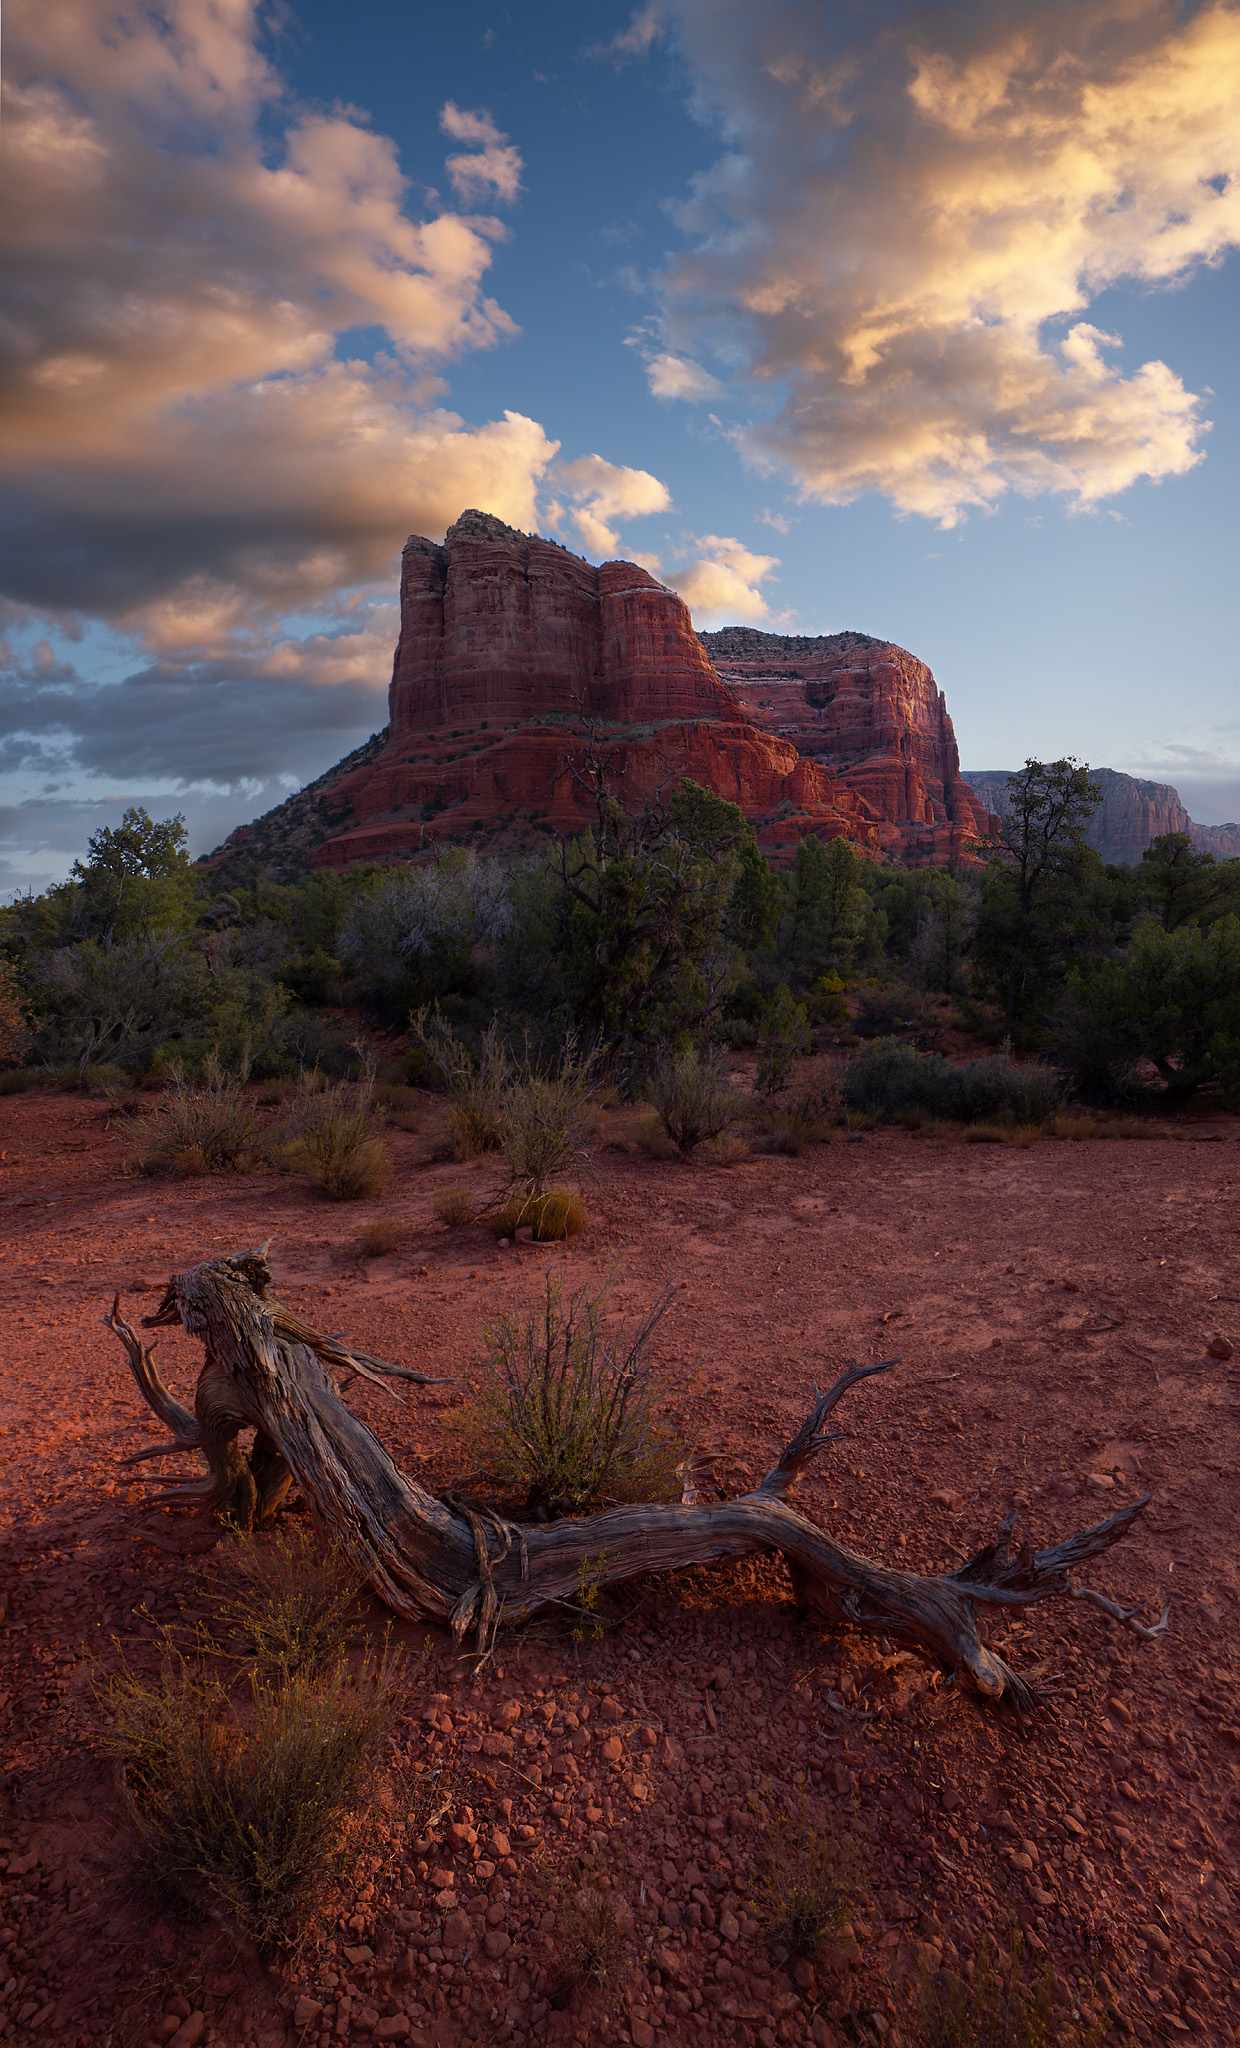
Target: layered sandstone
(871,712)
(518,663)
(520,667)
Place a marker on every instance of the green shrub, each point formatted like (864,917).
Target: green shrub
(889,1079)
(211,1128)
(291,1605)
(567,1416)
(332,1138)
(475,1087)
(692,1099)
(783,1035)
(546,1116)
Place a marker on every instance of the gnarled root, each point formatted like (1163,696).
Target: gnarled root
(443,1561)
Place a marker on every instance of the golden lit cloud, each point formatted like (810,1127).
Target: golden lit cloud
(907,232)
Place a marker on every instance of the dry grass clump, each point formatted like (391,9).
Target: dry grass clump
(1080,1128)
(332,1138)
(247,1792)
(403,1105)
(211,1127)
(999,1133)
(552,1216)
(548,1113)
(595,1925)
(381,1236)
(652,1137)
(692,1099)
(728,1149)
(567,1417)
(455,1207)
(1003,2005)
(290,1608)
(475,1086)
(814,1879)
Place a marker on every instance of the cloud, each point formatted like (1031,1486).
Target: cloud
(674,377)
(494,168)
(721,585)
(909,225)
(601,492)
(647,26)
(186,253)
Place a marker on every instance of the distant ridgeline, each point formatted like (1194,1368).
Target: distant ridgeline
(1131,814)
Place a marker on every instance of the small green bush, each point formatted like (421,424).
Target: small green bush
(692,1099)
(291,1603)
(889,1079)
(567,1416)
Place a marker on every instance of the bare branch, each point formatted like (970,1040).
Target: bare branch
(811,1437)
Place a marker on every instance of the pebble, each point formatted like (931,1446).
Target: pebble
(306,2011)
(190,2031)
(1218,1347)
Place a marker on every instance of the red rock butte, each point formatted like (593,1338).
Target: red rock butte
(518,660)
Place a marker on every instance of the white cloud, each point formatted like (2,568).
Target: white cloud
(602,492)
(496,165)
(675,377)
(647,26)
(908,228)
(720,586)
(186,252)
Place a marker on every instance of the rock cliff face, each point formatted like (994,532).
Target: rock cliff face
(519,663)
(872,713)
(1131,814)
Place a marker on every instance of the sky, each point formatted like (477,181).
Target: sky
(889,315)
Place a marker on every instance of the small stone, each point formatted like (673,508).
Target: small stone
(396,2028)
(1218,1347)
(306,2011)
(524,1233)
(457,1930)
(1101,1482)
(462,1834)
(509,1713)
(442,1880)
(1157,1938)
(496,1943)
(496,1913)
(500,1843)
(648,1738)
(190,2031)
(803,1974)
(729,1927)
(950,1802)
(366,2020)
(642,2032)
(613,1749)
(611,1710)
(1022,1861)
(358,1956)
(720,1677)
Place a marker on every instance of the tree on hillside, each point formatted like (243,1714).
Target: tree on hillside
(1180,885)
(1037,910)
(136,878)
(829,905)
(1173,998)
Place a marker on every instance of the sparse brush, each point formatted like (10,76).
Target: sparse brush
(1005,2004)
(213,1127)
(567,1417)
(652,1136)
(292,1604)
(333,1137)
(729,1149)
(1077,1128)
(552,1216)
(455,1207)
(791,1124)
(1003,1133)
(547,1116)
(814,1878)
(692,1099)
(381,1236)
(247,1807)
(595,1935)
(889,1079)
(474,1086)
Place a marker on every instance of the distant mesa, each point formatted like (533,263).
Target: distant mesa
(1132,813)
(518,662)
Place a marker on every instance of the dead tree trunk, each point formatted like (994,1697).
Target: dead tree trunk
(430,1559)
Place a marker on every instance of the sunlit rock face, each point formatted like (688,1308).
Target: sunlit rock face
(519,667)
(523,673)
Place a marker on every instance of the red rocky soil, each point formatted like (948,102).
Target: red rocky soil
(1054,1307)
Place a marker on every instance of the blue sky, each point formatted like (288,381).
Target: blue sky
(835,318)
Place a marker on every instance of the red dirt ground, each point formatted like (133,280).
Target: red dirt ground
(1053,1308)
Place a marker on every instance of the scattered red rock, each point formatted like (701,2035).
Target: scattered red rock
(1108,1826)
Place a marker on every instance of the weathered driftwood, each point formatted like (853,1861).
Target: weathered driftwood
(444,1561)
